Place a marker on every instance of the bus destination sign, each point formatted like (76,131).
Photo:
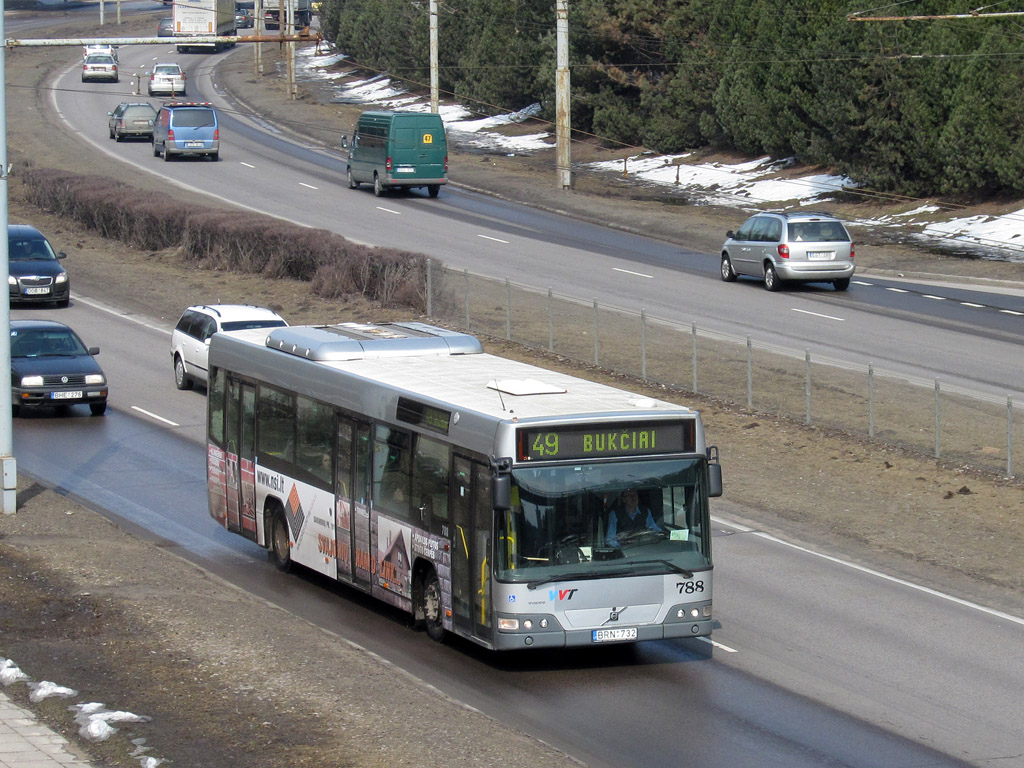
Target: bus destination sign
(596,441)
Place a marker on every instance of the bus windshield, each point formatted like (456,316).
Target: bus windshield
(634,517)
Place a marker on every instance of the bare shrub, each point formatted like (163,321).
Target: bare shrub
(237,241)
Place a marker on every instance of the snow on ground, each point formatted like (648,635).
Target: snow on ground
(746,186)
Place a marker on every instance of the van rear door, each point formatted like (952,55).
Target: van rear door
(419,150)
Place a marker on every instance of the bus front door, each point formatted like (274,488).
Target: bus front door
(471,548)
(239,436)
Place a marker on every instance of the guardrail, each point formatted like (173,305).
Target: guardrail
(974,429)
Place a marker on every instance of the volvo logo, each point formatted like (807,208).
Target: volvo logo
(63,379)
(614,614)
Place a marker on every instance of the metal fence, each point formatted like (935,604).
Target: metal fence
(923,416)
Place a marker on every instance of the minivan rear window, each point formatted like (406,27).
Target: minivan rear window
(818,232)
(194,118)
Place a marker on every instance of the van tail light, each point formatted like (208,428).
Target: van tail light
(783,251)
(170,134)
(216,134)
(851,251)
(446,163)
(387,165)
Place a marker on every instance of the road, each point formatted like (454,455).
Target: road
(968,337)
(816,662)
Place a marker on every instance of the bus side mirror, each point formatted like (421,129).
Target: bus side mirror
(714,480)
(501,491)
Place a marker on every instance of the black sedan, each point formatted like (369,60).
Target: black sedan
(35,272)
(51,367)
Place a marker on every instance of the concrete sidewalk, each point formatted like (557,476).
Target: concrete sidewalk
(27,743)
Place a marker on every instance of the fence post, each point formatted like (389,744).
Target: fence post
(693,327)
(508,310)
(750,375)
(807,385)
(597,360)
(871,400)
(551,324)
(467,299)
(1009,437)
(643,345)
(938,422)
(430,292)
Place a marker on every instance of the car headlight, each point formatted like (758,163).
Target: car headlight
(93,378)
(12,280)
(31,381)
(61,278)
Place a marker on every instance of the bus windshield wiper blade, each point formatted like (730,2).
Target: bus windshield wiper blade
(667,563)
(578,576)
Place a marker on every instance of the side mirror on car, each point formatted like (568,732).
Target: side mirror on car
(730,234)
(344,142)
(94,351)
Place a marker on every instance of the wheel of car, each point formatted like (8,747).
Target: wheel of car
(110,131)
(156,150)
(433,189)
(771,278)
(215,156)
(279,548)
(728,274)
(118,136)
(150,91)
(378,188)
(352,183)
(181,379)
(431,607)
(63,303)
(841,284)
(98,409)
(15,409)
(167,155)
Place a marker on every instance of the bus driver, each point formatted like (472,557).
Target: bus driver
(628,518)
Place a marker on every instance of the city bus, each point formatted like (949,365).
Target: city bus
(475,493)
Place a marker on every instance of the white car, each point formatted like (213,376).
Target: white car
(190,340)
(167,80)
(99,66)
(103,48)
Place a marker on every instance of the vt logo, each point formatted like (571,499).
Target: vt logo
(561,594)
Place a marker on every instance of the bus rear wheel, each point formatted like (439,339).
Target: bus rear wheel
(280,550)
(431,608)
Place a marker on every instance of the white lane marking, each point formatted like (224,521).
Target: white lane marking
(897,290)
(154,416)
(495,239)
(1011,312)
(971,304)
(861,282)
(877,574)
(304,184)
(388,210)
(725,648)
(934,298)
(247,165)
(628,272)
(816,314)
(120,313)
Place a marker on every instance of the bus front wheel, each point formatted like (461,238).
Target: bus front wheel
(280,550)
(431,607)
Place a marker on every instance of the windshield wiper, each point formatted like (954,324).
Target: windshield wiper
(667,563)
(579,576)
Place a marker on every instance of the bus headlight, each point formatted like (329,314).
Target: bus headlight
(509,625)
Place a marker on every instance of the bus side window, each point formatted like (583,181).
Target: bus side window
(277,423)
(430,477)
(314,424)
(391,475)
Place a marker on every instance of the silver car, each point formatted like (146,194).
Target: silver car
(99,66)
(167,80)
(131,118)
(809,246)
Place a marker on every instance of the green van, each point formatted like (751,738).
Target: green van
(398,149)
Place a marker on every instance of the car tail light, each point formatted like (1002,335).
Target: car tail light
(114,67)
(216,134)
(783,251)
(170,134)
(851,251)
(387,164)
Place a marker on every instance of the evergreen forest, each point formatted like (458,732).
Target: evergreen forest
(919,108)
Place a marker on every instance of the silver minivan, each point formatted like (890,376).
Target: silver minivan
(809,246)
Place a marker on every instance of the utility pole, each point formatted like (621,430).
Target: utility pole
(433,57)
(563,130)
(10,474)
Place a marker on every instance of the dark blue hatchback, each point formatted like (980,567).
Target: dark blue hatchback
(35,272)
